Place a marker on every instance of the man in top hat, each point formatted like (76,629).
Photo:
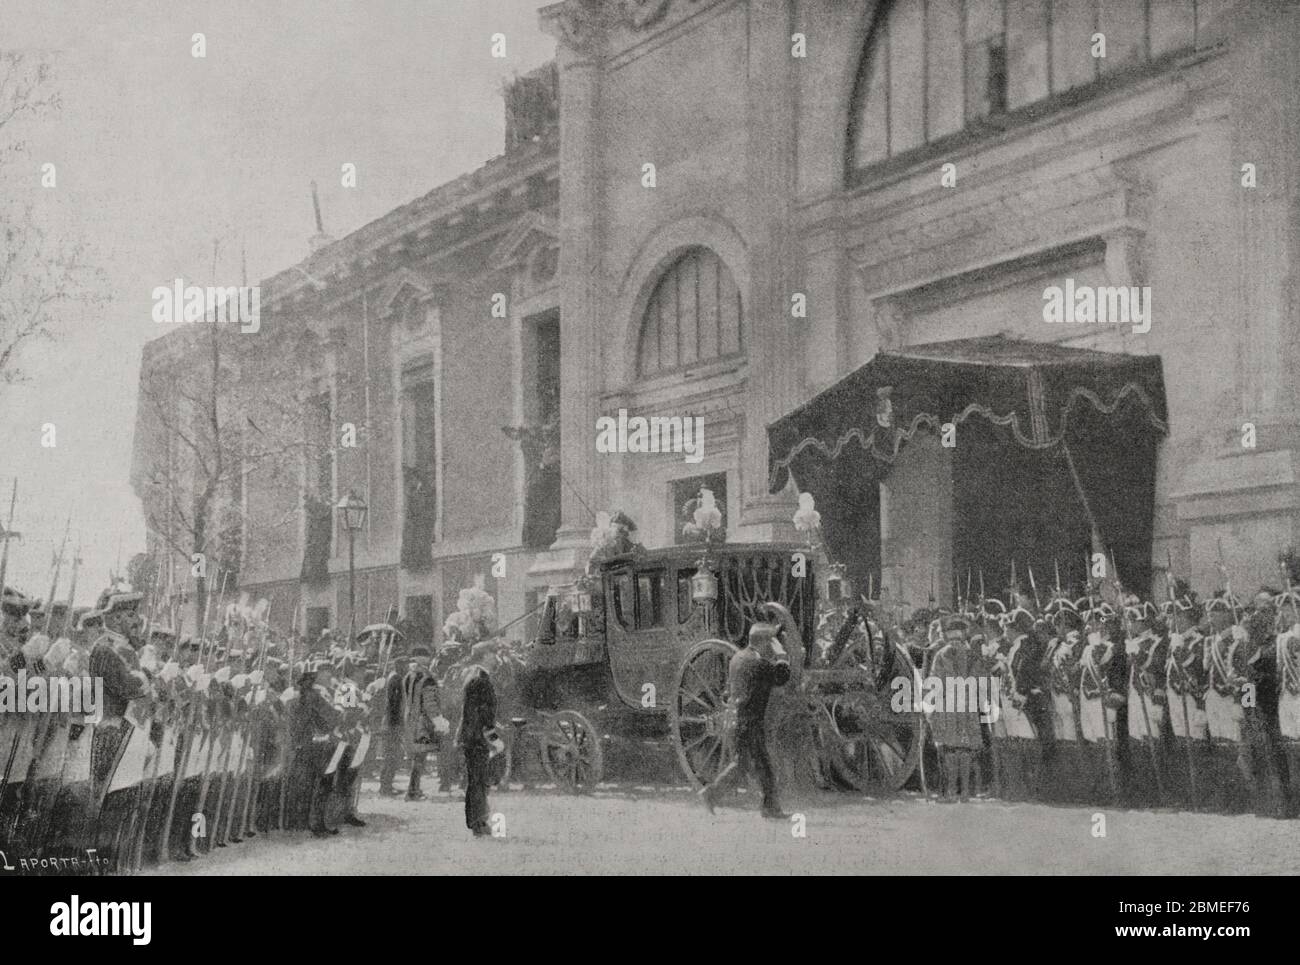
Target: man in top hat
(477,737)
(314,721)
(394,725)
(752,674)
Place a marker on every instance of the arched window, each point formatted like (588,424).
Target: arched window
(694,315)
(933,68)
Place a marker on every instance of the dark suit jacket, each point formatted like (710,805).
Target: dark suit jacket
(478,712)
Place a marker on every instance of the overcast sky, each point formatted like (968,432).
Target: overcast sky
(158,153)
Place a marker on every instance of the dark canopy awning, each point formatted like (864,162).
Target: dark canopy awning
(1032,388)
(1071,404)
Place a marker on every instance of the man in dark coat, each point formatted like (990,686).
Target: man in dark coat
(313,736)
(394,727)
(476,738)
(751,675)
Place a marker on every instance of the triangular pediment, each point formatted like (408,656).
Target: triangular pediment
(403,285)
(529,231)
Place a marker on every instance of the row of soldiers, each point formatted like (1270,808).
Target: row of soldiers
(195,745)
(1191,703)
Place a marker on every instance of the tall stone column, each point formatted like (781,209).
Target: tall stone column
(1265,78)
(580,33)
(775,366)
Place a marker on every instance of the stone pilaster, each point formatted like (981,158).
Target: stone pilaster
(580,30)
(775,366)
(1265,77)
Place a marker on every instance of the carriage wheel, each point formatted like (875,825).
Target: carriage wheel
(865,744)
(571,751)
(695,714)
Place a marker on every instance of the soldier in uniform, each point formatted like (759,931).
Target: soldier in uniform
(1186,678)
(1260,728)
(113,659)
(1103,721)
(352,711)
(1148,730)
(16,731)
(955,727)
(1226,653)
(1023,730)
(752,674)
(1287,664)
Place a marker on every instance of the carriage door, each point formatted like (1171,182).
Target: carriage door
(641,653)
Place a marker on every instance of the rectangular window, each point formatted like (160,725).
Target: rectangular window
(542,454)
(620,590)
(1073,24)
(532,622)
(684,490)
(1026,52)
(419,467)
(907,78)
(684,602)
(873,119)
(1123,23)
(944,97)
(650,600)
(318,620)
(321,452)
(419,615)
(1172,26)
(986,73)
(1206,12)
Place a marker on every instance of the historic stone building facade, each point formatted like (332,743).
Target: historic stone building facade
(768,149)
(403,351)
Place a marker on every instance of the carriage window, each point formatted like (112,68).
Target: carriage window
(649,602)
(546,632)
(684,603)
(620,585)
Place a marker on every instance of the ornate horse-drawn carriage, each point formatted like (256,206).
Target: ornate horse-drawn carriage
(639,649)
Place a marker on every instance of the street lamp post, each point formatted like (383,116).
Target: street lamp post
(353,510)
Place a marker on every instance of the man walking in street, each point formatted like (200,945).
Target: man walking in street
(751,675)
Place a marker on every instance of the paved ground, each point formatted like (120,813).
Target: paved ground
(624,830)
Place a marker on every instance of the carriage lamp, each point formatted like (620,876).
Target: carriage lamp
(704,586)
(837,584)
(579,601)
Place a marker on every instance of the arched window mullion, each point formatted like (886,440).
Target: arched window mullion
(701,328)
(984,62)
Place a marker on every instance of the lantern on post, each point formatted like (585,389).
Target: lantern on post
(352,509)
